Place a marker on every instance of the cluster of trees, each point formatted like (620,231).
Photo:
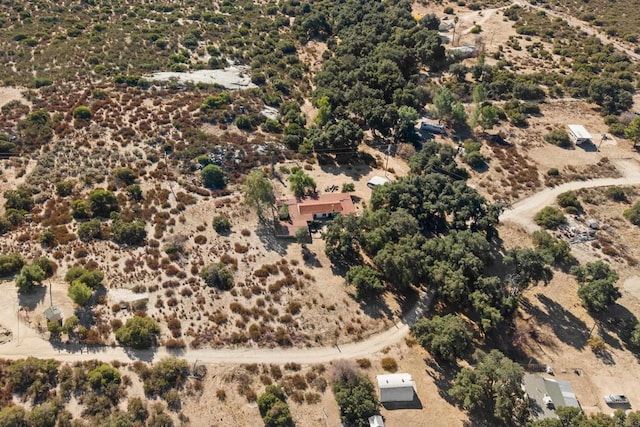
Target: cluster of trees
(46,386)
(82,284)
(597,290)
(368,76)
(569,416)
(493,387)
(427,229)
(18,203)
(31,274)
(355,394)
(273,407)
(138,332)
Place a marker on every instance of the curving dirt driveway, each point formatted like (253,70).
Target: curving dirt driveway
(522,212)
(583,26)
(27,342)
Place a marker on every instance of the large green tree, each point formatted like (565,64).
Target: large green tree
(138,332)
(258,191)
(446,337)
(31,275)
(366,281)
(597,285)
(356,397)
(300,182)
(493,388)
(213,177)
(632,131)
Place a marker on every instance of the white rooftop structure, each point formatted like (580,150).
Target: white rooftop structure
(579,134)
(376,421)
(376,181)
(396,388)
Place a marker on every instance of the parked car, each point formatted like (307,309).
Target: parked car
(616,399)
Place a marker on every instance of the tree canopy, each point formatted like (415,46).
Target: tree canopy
(138,332)
(446,337)
(258,191)
(493,388)
(356,397)
(597,290)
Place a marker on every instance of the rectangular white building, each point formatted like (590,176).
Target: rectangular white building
(396,388)
(578,134)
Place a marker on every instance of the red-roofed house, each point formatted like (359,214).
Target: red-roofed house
(321,208)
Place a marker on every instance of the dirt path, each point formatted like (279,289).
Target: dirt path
(583,26)
(27,342)
(522,212)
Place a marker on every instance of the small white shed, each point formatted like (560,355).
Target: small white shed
(396,388)
(578,134)
(376,421)
(377,181)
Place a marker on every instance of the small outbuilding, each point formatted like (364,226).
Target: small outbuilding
(579,134)
(376,421)
(376,181)
(53,314)
(547,394)
(396,388)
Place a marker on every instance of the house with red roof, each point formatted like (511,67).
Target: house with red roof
(303,212)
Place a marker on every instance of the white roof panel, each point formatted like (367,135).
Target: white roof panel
(395,381)
(579,131)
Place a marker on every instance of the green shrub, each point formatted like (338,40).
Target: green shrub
(550,217)
(221,224)
(138,332)
(553,172)
(616,194)
(168,374)
(348,187)
(128,233)
(569,199)
(218,276)
(10,264)
(82,112)
(213,177)
(244,122)
(633,214)
(558,137)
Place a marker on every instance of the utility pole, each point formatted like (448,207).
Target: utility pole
(386,163)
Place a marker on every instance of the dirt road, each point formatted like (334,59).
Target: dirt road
(522,212)
(583,26)
(27,342)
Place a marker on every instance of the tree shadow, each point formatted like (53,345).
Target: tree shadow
(310,258)
(620,321)
(442,376)
(376,308)
(566,326)
(266,234)
(355,166)
(32,298)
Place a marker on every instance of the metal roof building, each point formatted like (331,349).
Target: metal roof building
(396,388)
(578,134)
(547,394)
